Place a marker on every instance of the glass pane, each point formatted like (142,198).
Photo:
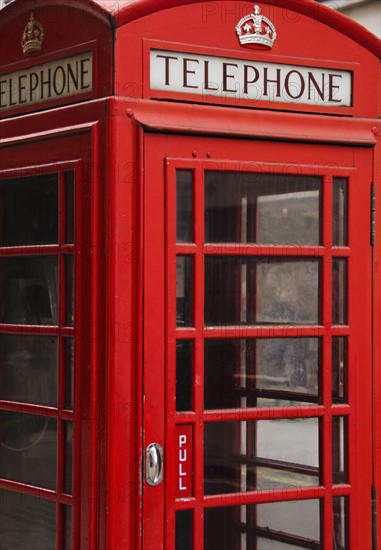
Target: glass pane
(29,289)
(184,530)
(299,518)
(262,208)
(271,544)
(339,214)
(339,449)
(29,210)
(68,479)
(69,207)
(29,366)
(69,372)
(222,529)
(339,291)
(67,527)
(339,369)
(249,290)
(69,264)
(184,375)
(242,373)
(340,523)
(26,522)
(273,526)
(288,364)
(184,291)
(267,455)
(28,448)
(184,206)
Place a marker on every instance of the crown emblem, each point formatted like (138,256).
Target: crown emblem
(256,29)
(32,37)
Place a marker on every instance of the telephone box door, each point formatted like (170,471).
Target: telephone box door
(45,189)
(257,345)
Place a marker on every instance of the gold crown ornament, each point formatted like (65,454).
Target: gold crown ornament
(32,37)
(256,29)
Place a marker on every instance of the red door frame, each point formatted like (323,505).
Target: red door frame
(157,341)
(50,148)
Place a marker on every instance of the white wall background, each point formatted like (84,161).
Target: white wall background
(365,12)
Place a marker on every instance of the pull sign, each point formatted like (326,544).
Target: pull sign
(184,461)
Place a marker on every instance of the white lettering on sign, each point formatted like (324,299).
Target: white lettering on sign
(251,80)
(182,459)
(61,78)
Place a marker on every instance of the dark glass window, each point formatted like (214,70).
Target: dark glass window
(29,210)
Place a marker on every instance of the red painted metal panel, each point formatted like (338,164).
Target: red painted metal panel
(191,119)
(212,27)
(124,406)
(126,11)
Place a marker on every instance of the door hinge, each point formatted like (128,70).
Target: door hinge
(372,214)
(374,518)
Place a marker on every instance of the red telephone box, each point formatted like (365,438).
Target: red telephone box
(189,276)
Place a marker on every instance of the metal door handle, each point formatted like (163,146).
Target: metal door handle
(154,464)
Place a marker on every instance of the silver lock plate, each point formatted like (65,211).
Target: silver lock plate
(154,464)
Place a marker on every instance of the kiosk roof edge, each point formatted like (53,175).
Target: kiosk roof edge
(127,11)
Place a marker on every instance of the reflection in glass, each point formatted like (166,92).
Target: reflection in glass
(250,290)
(69,207)
(69,372)
(184,375)
(29,287)
(339,291)
(241,373)
(289,364)
(29,366)
(340,523)
(339,213)
(26,522)
(28,448)
(184,206)
(29,210)
(262,455)
(184,291)
(69,279)
(299,518)
(339,449)
(68,470)
(262,208)
(184,530)
(339,369)
(67,527)
(267,544)
(273,526)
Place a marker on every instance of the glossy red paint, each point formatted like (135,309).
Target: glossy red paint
(333,161)
(68,30)
(126,144)
(126,11)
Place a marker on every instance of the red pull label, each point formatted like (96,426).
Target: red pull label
(184,449)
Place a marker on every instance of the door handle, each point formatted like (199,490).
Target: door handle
(154,464)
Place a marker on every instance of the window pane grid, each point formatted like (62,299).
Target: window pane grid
(58,328)
(214,331)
